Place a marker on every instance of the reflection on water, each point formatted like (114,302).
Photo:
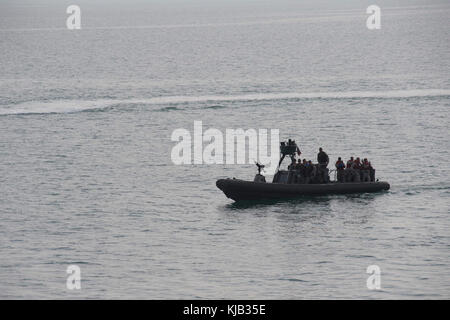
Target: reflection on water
(301,201)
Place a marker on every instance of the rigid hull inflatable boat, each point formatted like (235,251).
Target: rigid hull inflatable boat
(283,187)
(248,190)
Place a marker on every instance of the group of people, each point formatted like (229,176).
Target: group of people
(307,172)
(355,170)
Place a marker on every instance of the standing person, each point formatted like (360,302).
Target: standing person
(322,159)
(340,166)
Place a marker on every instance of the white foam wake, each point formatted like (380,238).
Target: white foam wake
(56,106)
(295,95)
(68,106)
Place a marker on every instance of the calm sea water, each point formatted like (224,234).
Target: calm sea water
(86,176)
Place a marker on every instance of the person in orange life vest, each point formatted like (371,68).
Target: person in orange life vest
(349,173)
(365,173)
(357,168)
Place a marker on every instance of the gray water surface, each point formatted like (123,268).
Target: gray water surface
(86,177)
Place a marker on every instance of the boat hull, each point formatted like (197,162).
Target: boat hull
(239,190)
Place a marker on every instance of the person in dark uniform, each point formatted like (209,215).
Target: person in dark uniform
(297,177)
(302,172)
(309,168)
(322,159)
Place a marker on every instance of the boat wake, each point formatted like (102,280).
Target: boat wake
(56,106)
(70,106)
